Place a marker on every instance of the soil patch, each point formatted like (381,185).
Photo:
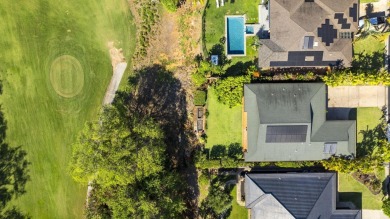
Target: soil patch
(370,181)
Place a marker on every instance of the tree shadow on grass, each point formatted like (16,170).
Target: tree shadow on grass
(219,49)
(370,140)
(354,197)
(240,68)
(13,174)
(364,62)
(156,94)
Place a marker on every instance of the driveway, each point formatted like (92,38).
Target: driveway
(357,96)
(373,214)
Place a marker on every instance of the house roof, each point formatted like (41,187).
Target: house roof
(324,20)
(294,195)
(288,106)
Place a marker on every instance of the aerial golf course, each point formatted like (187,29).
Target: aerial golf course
(55,67)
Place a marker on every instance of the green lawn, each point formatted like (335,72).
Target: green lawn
(215,17)
(367,1)
(350,191)
(370,44)
(238,212)
(46,104)
(367,118)
(250,52)
(223,123)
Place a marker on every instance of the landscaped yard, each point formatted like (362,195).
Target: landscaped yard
(367,118)
(370,44)
(238,212)
(356,192)
(223,123)
(55,68)
(215,21)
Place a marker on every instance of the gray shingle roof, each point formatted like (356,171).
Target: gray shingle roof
(294,195)
(293,104)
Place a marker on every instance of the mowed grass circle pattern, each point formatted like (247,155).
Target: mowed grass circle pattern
(67,76)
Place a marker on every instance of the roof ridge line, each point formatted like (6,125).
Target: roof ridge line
(259,199)
(273,197)
(323,190)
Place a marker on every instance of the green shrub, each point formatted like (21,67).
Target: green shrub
(198,79)
(217,151)
(294,164)
(170,5)
(386,207)
(200,98)
(231,90)
(217,201)
(348,78)
(235,151)
(204,178)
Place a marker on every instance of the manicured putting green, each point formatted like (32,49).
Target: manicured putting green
(67,76)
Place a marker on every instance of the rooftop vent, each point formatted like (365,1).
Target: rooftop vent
(330,147)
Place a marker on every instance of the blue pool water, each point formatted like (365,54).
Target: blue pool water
(235,35)
(250,30)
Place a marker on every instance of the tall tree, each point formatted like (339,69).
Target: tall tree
(117,151)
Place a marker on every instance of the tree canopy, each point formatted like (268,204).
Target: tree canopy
(217,201)
(231,90)
(128,152)
(116,151)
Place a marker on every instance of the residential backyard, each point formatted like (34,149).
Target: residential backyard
(223,125)
(367,118)
(214,22)
(370,44)
(352,190)
(237,212)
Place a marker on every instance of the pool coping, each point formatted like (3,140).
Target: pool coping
(226,43)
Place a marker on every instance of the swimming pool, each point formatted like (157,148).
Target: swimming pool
(249,29)
(235,31)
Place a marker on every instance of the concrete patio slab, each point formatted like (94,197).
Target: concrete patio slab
(373,214)
(357,96)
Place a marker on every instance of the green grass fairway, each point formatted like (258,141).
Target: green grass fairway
(367,118)
(223,123)
(67,76)
(55,67)
(238,212)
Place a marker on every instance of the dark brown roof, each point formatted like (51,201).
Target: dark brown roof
(292,20)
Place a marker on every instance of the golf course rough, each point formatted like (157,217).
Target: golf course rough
(66,76)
